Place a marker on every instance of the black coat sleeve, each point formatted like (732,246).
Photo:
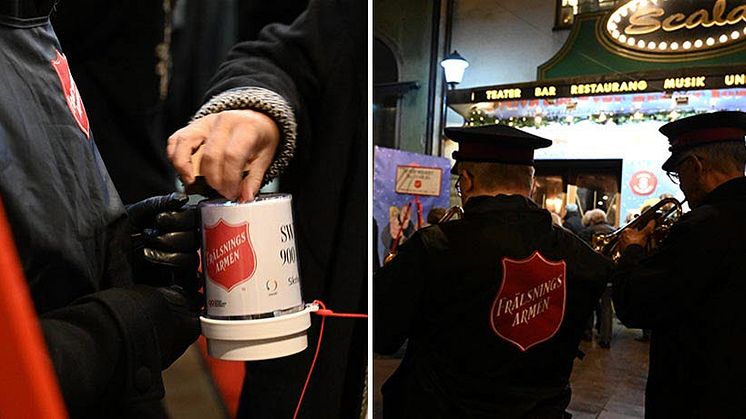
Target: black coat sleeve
(397,291)
(105,351)
(296,61)
(648,291)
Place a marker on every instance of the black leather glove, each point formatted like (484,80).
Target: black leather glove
(175,314)
(165,239)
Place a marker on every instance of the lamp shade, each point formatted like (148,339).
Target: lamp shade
(454,66)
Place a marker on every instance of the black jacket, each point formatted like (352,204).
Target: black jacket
(573,222)
(689,292)
(319,65)
(441,293)
(67,223)
(116,52)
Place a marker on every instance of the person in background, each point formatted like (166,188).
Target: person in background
(573,222)
(292,105)
(114,288)
(594,222)
(689,289)
(492,305)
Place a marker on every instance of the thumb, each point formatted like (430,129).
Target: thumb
(650,227)
(251,184)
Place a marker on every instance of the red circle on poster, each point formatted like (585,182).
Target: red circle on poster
(643,183)
(417,183)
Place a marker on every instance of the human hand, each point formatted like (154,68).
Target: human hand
(632,236)
(165,238)
(234,141)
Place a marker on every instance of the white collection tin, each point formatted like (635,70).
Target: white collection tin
(252,286)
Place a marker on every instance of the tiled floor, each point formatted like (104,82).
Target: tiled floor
(607,383)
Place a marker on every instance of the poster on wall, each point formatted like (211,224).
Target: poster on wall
(406,187)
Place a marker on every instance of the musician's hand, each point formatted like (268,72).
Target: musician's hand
(633,236)
(233,139)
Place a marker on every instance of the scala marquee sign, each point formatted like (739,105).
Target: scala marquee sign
(629,84)
(672,28)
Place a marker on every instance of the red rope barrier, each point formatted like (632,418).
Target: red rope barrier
(324,313)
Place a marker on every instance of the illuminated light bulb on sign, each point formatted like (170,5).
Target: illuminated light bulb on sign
(631,41)
(657,21)
(662,46)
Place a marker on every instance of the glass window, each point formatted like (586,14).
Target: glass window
(568,9)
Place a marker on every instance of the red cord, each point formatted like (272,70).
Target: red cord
(324,313)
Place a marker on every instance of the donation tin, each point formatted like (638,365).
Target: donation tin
(254,305)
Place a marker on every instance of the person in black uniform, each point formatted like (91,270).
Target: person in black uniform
(108,337)
(493,305)
(689,290)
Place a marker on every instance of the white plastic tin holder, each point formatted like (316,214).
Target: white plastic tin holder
(254,306)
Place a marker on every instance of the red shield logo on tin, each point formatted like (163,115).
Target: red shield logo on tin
(70,90)
(229,256)
(530,305)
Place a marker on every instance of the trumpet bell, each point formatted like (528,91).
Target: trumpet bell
(665,213)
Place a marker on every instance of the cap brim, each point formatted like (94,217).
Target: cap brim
(670,164)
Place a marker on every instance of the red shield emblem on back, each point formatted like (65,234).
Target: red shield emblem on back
(229,256)
(70,90)
(530,305)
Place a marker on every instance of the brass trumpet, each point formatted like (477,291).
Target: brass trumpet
(666,212)
(452,212)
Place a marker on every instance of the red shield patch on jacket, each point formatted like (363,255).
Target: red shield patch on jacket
(530,305)
(70,90)
(229,256)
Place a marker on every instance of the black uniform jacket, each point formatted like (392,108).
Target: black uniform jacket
(690,292)
(67,223)
(319,65)
(440,292)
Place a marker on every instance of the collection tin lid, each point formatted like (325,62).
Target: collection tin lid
(260,199)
